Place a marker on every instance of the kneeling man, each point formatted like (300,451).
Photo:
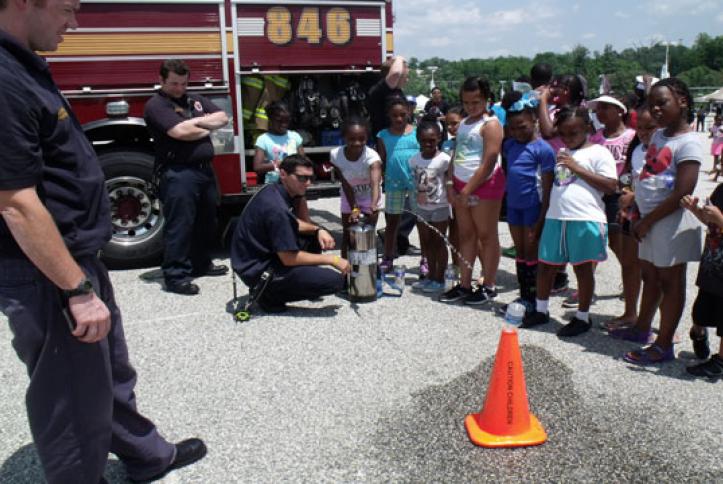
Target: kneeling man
(270,238)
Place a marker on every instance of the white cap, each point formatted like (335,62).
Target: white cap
(607,100)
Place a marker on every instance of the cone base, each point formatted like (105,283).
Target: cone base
(535,435)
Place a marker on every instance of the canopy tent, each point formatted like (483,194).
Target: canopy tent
(421,102)
(714,97)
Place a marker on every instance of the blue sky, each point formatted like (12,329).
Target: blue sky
(458,29)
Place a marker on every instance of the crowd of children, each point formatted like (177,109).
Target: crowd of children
(570,192)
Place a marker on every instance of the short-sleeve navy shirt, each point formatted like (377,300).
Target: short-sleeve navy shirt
(267,226)
(43,145)
(163,112)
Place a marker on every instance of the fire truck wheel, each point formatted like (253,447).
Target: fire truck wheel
(135,209)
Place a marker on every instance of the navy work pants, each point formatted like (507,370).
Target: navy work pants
(302,282)
(299,283)
(189,197)
(80,399)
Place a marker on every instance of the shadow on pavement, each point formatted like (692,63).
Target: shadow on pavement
(597,341)
(293,309)
(23,467)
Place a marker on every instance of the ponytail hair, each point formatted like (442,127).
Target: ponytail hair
(570,112)
(476,83)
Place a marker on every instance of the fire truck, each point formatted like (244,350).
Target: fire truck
(319,56)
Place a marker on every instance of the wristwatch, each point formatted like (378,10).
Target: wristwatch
(83,288)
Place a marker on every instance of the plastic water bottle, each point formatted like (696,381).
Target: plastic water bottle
(380,282)
(450,278)
(399,273)
(514,315)
(664,181)
(562,172)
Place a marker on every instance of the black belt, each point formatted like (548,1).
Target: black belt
(195,164)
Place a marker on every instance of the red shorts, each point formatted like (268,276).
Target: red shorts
(492,189)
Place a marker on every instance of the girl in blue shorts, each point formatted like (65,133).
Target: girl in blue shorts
(575,229)
(528,157)
(396,145)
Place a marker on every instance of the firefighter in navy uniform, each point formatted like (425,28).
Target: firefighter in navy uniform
(270,237)
(181,124)
(54,290)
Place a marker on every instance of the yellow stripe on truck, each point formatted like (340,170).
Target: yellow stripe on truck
(135,43)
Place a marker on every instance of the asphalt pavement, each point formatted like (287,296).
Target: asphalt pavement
(378,392)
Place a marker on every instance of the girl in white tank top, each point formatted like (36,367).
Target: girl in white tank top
(476,200)
(469,149)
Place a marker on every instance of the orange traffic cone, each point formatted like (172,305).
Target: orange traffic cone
(505,420)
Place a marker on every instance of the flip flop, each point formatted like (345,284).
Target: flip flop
(616,323)
(642,356)
(631,334)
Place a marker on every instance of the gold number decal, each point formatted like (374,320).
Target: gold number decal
(309,27)
(278,25)
(338,26)
(279,30)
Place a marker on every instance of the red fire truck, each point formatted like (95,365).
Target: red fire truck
(320,56)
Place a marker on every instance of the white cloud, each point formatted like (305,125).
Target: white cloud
(680,7)
(499,53)
(460,29)
(437,41)
(549,34)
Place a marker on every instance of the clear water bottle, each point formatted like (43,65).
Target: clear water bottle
(450,278)
(562,172)
(514,314)
(664,181)
(626,180)
(380,282)
(399,273)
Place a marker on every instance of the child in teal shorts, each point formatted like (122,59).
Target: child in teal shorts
(396,145)
(575,230)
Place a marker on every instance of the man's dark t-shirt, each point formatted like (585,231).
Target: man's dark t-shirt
(43,145)
(267,226)
(162,113)
(436,110)
(377,105)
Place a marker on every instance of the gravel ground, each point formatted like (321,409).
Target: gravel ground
(378,392)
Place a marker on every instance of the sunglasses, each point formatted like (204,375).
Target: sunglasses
(302,178)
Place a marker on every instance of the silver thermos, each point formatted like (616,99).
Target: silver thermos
(363,260)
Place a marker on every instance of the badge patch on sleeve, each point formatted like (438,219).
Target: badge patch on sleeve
(62,114)
(197,106)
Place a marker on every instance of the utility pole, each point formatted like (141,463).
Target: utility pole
(432,69)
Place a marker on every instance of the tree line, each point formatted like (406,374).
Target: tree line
(700,65)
